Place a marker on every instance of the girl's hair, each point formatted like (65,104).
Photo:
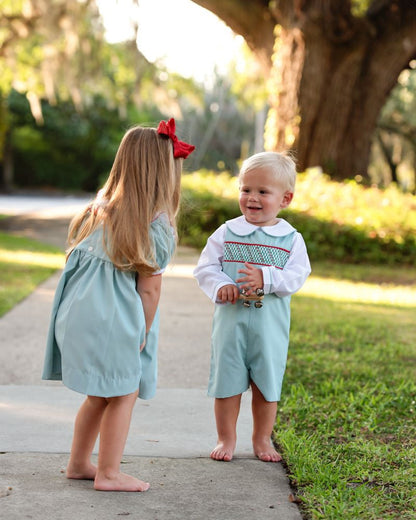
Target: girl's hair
(281,165)
(144,182)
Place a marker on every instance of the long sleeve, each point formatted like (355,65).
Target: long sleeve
(290,279)
(208,272)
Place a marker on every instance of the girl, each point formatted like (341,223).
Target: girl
(103,334)
(250,338)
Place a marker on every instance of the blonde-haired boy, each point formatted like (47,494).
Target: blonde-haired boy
(253,253)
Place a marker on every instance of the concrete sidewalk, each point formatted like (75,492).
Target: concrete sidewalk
(170,437)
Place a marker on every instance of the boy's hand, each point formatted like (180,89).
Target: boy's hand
(253,279)
(228,294)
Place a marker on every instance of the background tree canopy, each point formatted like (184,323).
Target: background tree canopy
(335,79)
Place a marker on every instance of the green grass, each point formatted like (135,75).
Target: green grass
(346,424)
(24,264)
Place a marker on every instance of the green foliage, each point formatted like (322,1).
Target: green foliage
(346,423)
(69,151)
(222,130)
(57,52)
(394,148)
(343,221)
(73,149)
(50,47)
(208,200)
(359,7)
(247,81)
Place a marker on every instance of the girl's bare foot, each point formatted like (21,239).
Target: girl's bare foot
(223,451)
(265,451)
(86,472)
(119,482)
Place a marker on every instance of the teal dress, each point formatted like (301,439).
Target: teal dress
(97,323)
(249,343)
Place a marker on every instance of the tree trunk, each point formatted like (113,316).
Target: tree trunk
(330,72)
(8,167)
(341,96)
(388,157)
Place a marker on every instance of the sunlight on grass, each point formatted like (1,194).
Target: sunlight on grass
(335,289)
(24,264)
(342,290)
(346,422)
(32,258)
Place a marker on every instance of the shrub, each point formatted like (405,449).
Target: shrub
(344,221)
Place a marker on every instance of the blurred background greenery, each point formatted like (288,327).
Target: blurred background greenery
(67,93)
(343,221)
(343,101)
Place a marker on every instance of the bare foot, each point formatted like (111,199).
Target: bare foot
(87,472)
(223,451)
(265,451)
(120,482)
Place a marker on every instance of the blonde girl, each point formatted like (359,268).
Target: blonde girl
(103,334)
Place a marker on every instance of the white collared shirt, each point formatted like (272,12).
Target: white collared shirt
(285,282)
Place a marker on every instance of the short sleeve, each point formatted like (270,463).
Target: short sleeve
(164,240)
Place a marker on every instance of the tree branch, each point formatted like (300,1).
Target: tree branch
(252,20)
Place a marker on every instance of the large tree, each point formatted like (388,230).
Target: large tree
(331,65)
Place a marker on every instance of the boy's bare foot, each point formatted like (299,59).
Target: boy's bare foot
(87,472)
(265,451)
(120,482)
(223,451)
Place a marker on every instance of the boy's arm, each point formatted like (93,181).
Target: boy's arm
(148,288)
(208,272)
(287,281)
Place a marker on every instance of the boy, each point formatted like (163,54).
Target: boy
(252,254)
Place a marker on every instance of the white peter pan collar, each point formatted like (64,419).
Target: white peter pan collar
(241,227)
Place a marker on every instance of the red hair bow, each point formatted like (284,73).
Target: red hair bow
(180,148)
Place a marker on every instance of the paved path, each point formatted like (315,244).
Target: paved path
(170,437)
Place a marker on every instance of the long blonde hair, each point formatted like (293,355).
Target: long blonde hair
(144,182)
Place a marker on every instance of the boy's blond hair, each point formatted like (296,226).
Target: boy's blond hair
(281,165)
(144,182)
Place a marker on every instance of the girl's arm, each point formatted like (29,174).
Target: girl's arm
(149,291)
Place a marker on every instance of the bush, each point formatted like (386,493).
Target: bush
(208,200)
(73,149)
(343,221)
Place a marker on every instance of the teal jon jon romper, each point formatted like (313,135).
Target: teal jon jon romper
(251,344)
(97,323)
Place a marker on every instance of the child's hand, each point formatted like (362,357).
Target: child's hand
(253,279)
(228,294)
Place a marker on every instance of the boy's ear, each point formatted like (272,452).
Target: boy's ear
(287,199)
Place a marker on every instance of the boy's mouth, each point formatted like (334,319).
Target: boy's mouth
(253,208)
